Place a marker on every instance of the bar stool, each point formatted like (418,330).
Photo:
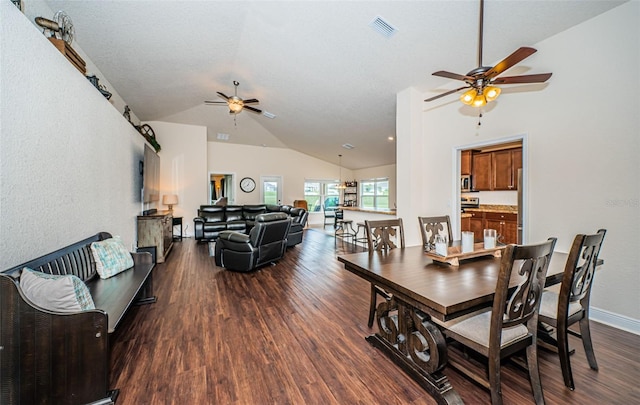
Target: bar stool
(362,239)
(344,229)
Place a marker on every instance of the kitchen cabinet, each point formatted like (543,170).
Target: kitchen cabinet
(504,166)
(497,170)
(481,171)
(476,225)
(465,162)
(506,225)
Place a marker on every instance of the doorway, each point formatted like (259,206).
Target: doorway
(221,185)
(271,189)
(495,177)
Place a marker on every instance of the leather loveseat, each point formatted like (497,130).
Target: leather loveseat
(265,243)
(213,219)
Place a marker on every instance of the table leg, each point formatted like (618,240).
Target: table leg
(409,338)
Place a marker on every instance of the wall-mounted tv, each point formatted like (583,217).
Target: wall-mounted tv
(151,176)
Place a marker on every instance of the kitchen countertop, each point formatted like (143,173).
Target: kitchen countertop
(387,212)
(508,209)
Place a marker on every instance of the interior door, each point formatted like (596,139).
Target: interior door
(271,189)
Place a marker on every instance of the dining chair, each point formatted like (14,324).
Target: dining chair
(511,324)
(382,235)
(562,309)
(432,226)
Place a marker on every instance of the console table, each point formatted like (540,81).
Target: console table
(156,230)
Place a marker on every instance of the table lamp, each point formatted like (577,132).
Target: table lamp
(170,200)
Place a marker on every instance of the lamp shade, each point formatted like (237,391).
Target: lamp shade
(170,199)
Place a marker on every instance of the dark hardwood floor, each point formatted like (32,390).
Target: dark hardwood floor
(293,333)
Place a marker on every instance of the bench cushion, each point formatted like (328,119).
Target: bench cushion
(111,257)
(61,293)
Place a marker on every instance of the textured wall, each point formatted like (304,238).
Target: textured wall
(582,149)
(68,159)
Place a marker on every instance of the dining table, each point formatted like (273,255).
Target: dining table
(422,289)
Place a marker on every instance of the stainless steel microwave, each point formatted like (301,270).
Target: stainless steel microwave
(465,183)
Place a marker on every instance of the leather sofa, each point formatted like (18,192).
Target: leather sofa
(213,219)
(265,243)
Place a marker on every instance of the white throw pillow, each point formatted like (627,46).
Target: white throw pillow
(111,257)
(60,293)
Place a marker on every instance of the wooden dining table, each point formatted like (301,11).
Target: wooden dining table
(423,289)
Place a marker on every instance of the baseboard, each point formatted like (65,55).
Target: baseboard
(616,320)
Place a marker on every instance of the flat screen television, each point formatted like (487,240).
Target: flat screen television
(150,176)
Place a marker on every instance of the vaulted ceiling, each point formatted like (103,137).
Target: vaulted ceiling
(329,78)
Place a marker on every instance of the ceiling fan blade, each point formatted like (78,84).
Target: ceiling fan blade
(222,95)
(509,61)
(250,101)
(446,93)
(215,102)
(253,109)
(538,78)
(450,75)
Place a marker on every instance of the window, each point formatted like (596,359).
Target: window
(374,193)
(319,192)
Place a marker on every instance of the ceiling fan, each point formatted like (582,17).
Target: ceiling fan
(481,81)
(235,103)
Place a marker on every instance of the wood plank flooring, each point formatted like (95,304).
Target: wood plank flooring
(293,333)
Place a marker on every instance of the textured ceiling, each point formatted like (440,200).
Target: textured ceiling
(328,77)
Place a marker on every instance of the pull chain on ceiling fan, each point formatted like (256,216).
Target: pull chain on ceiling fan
(481,81)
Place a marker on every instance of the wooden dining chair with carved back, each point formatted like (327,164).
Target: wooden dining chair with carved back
(382,235)
(510,326)
(571,304)
(432,226)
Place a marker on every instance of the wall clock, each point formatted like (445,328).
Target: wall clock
(247,184)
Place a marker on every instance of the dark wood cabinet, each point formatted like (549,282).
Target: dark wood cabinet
(481,170)
(476,225)
(465,224)
(465,162)
(505,224)
(497,170)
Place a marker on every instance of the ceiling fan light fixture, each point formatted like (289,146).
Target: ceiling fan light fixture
(235,105)
(492,93)
(480,100)
(468,97)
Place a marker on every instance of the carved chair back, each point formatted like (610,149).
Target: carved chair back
(432,226)
(386,234)
(580,268)
(531,262)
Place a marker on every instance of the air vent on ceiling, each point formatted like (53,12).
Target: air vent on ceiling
(268,114)
(381,26)
(223,137)
(348,146)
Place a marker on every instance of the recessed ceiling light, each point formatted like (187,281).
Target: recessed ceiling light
(383,27)
(390,138)
(348,146)
(223,137)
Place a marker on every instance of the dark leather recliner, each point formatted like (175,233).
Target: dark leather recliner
(298,222)
(265,243)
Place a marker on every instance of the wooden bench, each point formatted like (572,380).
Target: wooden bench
(63,358)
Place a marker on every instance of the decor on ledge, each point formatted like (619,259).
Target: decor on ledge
(101,88)
(61,36)
(170,200)
(149,135)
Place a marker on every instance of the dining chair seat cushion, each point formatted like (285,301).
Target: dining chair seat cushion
(477,328)
(549,305)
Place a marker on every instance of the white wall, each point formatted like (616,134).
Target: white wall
(183,168)
(583,147)
(68,159)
